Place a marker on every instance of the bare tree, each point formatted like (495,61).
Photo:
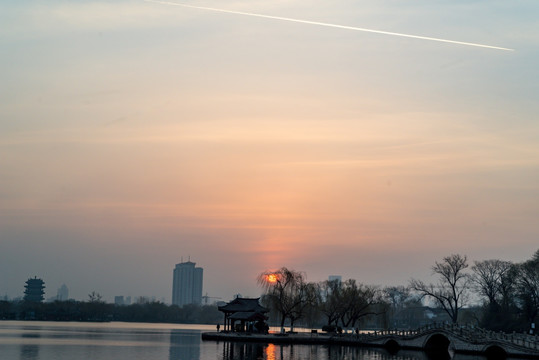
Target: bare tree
(398,298)
(328,304)
(490,278)
(288,293)
(527,286)
(357,301)
(95,297)
(305,299)
(451,291)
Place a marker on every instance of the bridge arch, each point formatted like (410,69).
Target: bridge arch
(392,346)
(495,352)
(437,343)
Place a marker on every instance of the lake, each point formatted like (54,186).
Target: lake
(34,340)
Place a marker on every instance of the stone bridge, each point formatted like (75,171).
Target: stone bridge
(455,339)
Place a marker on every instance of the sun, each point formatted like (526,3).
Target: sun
(272,278)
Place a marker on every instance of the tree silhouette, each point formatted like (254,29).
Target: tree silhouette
(451,291)
(288,293)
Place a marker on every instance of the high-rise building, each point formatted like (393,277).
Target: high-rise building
(337,278)
(63,293)
(119,300)
(187,284)
(34,290)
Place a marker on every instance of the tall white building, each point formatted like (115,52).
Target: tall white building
(63,293)
(187,284)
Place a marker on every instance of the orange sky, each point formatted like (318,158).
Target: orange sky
(133,135)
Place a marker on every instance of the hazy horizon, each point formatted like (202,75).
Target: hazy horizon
(135,133)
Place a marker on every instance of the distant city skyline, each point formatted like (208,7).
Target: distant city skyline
(189,293)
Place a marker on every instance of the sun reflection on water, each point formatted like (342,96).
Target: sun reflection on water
(270,352)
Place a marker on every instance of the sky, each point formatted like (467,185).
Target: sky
(135,135)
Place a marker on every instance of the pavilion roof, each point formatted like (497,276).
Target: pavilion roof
(248,316)
(243,305)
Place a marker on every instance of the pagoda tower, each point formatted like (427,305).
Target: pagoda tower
(34,290)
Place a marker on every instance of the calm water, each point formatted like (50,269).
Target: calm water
(32,340)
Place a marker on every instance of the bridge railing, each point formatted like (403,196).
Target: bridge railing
(467,332)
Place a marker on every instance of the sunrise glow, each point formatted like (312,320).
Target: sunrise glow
(252,135)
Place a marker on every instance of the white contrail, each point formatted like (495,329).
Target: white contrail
(330,25)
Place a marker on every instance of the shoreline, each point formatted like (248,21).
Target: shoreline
(435,341)
(296,338)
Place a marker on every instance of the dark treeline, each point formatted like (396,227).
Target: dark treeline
(494,294)
(97,310)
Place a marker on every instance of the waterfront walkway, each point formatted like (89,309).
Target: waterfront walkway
(433,337)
